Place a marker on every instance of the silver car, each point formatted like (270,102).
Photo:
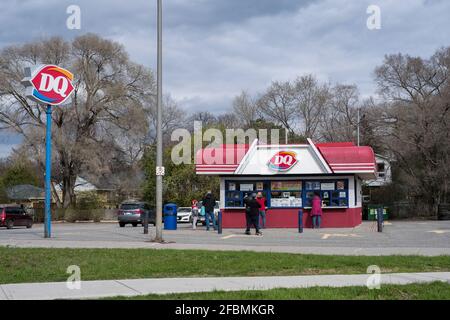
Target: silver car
(133,213)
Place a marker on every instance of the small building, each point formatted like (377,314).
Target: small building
(289,176)
(110,197)
(28,195)
(383,172)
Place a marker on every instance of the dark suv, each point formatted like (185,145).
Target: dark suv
(134,213)
(14,215)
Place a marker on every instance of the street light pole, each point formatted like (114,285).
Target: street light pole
(358,125)
(159,163)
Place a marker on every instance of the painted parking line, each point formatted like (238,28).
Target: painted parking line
(241,236)
(439,231)
(342,235)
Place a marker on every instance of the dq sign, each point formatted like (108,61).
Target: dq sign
(282,161)
(49,84)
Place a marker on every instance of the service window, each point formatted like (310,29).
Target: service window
(235,191)
(286,193)
(334,193)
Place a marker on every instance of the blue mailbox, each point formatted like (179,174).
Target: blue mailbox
(170,216)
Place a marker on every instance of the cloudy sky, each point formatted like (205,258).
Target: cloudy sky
(213,49)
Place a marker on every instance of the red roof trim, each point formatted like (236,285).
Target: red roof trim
(340,156)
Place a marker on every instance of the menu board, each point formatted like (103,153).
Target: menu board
(296,202)
(286,202)
(312,185)
(327,186)
(286,185)
(246,187)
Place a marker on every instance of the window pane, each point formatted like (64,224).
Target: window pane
(129,206)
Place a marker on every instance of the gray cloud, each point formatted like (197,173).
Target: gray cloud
(215,48)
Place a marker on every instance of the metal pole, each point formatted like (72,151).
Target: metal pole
(357,130)
(285,135)
(145,222)
(48,173)
(158,237)
(300,221)
(219,224)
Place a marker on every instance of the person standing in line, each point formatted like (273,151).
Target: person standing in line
(262,210)
(316,211)
(195,213)
(209,202)
(253,215)
(247,212)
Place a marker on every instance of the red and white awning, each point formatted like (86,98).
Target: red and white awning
(257,159)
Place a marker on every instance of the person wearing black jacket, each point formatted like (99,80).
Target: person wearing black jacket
(247,212)
(252,214)
(209,202)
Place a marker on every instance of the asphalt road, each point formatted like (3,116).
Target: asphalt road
(398,237)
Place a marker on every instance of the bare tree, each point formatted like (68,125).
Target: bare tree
(245,109)
(229,120)
(106,84)
(205,117)
(173,117)
(417,92)
(311,98)
(278,104)
(339,118)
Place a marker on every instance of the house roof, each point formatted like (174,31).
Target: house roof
(25,192)
(81,185)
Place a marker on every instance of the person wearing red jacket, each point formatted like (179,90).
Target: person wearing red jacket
(316,211)
(262,210)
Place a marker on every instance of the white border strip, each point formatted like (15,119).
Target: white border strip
(250,150)
(319,155)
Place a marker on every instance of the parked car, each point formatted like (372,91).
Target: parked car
(15,215)
(133,212)
(184,214)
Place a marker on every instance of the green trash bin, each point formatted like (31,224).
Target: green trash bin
(372,214)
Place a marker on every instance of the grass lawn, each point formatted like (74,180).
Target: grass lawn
(43,265)
(431,291)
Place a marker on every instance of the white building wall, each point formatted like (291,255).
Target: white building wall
(222,193)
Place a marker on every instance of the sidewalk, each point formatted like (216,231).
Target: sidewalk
(111,288)
(298,249)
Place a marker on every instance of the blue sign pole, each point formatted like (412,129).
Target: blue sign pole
(219,224)
(48,173)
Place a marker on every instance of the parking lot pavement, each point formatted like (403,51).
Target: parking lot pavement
(398,237)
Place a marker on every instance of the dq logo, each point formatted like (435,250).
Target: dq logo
(282,161)
(50,84)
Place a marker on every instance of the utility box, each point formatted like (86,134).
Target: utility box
(372,212)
